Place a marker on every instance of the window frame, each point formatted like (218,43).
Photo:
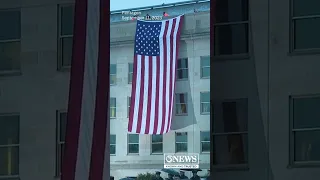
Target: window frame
(115,75)
(128,105)
(201,103)
(292,20)
(292,130)
(202,67)
(113,107)
(130,73)
(177,77)
(152,143)
(16,71)
(128,143)
(58,142)
(60,66)
(201,143)
(14,177)
(115,145)
(176,142)
(230,167)
(186,103)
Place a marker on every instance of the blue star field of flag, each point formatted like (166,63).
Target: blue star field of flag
(147,38)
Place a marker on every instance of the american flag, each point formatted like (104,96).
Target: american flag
(154,73)
(86,155)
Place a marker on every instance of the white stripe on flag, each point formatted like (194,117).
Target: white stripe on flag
(153,94)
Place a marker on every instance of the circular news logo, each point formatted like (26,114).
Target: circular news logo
(169,159)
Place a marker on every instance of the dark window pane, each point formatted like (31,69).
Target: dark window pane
(181,147)
(181,98)
(230,149)
(231,39)
(205,147)
(306,7)
(205,136)
(181,137)
(156,148)
(113,102)
(182,74)
(113,112)
(205,61)
(130,68)
(10,25)
(63,126)
(306,113)
(205,97)
(66,44)
(61,156)
(9,161)
(112,139)
(67,17)
(10,56)
(112,149)
(307,146)
(231,10)
(182,63)
(205,107)
(306,33)
(234,117)
(205,72)
(133,148)
(134,138)
(9,130)
(113,69)
(157,138)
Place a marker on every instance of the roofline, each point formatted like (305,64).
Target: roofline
(159,6)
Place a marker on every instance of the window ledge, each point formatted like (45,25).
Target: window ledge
(64,69)
(231,57)
(205,78)
(205,152)
(304,52)
(181,114)
(11,73)
(185,79)
(236,167)
(13,177)
(156,153)
(133,154)
(306,164)
(205,113)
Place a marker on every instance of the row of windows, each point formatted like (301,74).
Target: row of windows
(230,135)
(182,70)
(231,31)
(181,104)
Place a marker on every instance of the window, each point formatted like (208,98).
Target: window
(205,141)
(129,103)
(305,25)
(231,28)
(66,15)
(157,144)
(230,130)
(305,129)
(181,104)
(205,67)
(10,41)
(112,144)
(182,69)
(205,102)
(130,73)
(113,74)
(9,145)
(61,126)
(181,142)
(133,144)
(113,107)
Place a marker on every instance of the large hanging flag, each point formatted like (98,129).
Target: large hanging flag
(154,73)
(86,155)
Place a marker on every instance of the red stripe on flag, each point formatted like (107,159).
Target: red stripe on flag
(133,93)
(165,59)
(149,96)
(102,98)
(157,97)
(171,68)
(75,91)
(140,111)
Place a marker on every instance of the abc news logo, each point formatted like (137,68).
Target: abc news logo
(181,160)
